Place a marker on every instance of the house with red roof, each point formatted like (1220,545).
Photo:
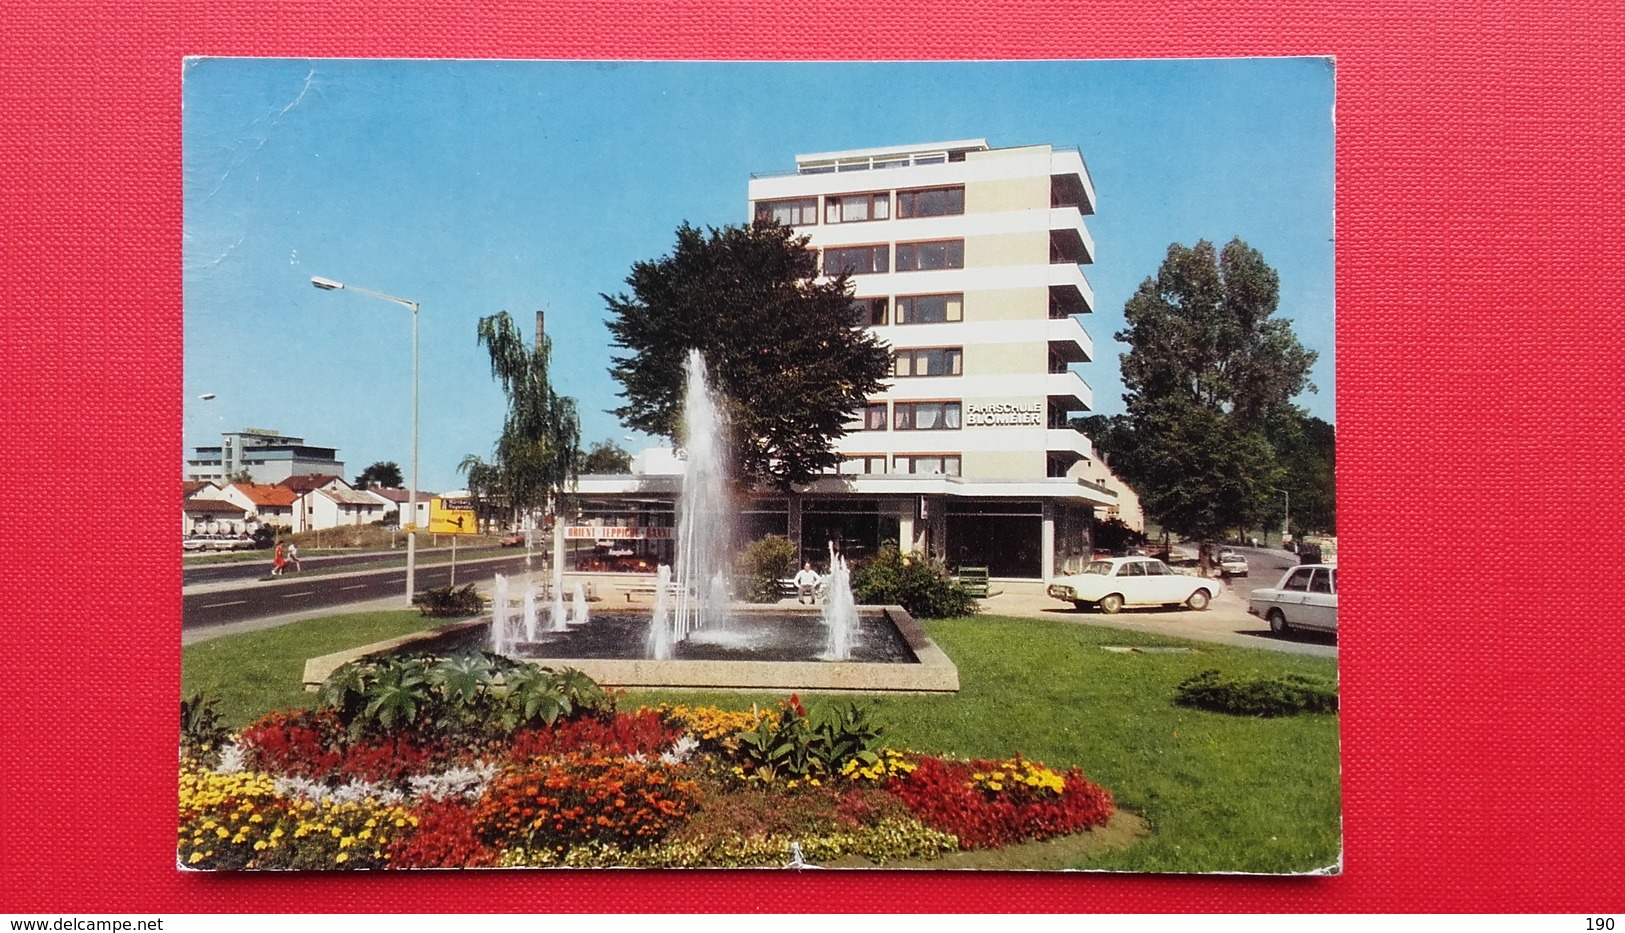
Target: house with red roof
(323,500)
(266,503)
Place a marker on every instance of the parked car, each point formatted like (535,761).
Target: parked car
(1232,564)
(1306,598)
(1109,585)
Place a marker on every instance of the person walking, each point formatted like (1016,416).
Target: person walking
(293,556)
(806,581)
(278,561)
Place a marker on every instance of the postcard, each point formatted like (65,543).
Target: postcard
(909,465)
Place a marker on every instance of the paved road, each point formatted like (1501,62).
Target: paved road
(228,602)
(1225,621)
(197,574)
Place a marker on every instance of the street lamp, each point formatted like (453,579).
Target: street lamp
(411,493)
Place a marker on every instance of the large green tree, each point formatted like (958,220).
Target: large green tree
(536,455)
(605,457)
(385,473)
(1208,367)
(1306,448)
(778,341)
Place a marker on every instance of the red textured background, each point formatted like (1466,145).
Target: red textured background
(1479,323)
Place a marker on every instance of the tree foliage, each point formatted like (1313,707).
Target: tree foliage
(1208,368)
(778,341)
(1307,450)
(536,455)
(384,473)
(605,457)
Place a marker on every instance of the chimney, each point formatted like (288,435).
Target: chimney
(540,317)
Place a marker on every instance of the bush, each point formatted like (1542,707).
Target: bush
(1259,696)
(442,601)
(912,581)
(764,563)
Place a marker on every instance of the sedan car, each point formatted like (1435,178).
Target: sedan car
(1109,585)
(1232,564)
(1305,598)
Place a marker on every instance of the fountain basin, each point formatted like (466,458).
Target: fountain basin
(707,663)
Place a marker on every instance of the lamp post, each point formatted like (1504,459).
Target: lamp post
(412,492)
(1286,517)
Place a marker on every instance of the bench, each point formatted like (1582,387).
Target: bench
(974,580)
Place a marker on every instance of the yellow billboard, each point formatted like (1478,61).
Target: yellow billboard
(452,517)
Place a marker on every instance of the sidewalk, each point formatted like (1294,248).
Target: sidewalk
(1225,622)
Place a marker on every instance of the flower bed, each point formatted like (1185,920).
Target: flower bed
(396,771)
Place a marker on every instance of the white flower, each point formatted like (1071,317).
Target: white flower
(686,745)
(232,759)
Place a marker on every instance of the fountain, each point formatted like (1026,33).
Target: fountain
(659,644)
(840,610)
(499,614)
(557,613)
(529,610)
(693,635)
(704,524)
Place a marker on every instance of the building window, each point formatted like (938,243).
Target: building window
(925,416)
(871,417)
(857,260)
(927,464)
(932,254)
(930,309)
(794,212)
(849,208)
(870,312)
(934,361)
(863,465)
(931,202)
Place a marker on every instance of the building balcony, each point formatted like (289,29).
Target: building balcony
(1069,291)
(1070,183)
(1069,341)
(1069,239)
(1068,391)
(1068,441)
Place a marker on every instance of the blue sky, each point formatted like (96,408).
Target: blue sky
(477,187)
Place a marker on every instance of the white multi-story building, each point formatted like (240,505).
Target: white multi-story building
(265,456)
(966,260)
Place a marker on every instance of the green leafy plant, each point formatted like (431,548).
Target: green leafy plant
(764,563)
(449,601)
(203,730)
(795,745)
(1287,695)
(467,693)
(912,581)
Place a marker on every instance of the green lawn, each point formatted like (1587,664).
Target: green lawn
(1221,793)
(256,672)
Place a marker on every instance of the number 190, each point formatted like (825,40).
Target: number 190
(1599,923)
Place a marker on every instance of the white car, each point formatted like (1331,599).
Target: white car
(1305,598)
(1111,584)
(1232,564)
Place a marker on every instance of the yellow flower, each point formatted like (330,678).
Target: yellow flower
(342,857)
(196,857)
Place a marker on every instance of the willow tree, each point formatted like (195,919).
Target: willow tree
(535,457)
